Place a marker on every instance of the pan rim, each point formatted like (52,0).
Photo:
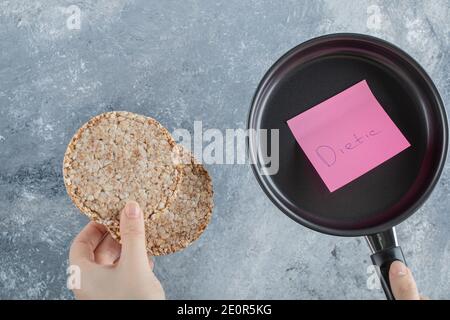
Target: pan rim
(252,115)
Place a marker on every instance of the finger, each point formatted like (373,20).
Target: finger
(402,282)
(132,233)
(108,251)
(86,242)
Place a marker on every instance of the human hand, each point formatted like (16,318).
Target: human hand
(113,271)
(402,282)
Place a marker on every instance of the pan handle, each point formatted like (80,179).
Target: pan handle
(385,250)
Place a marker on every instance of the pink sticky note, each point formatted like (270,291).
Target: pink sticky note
(347,135)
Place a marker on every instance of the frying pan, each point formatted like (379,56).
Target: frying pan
(374,203)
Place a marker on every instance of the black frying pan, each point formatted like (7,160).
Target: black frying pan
(374,203)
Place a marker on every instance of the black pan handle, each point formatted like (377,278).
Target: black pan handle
(385,251)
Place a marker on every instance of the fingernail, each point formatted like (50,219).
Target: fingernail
(132,210)
(398,269)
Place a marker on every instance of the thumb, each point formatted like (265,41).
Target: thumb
(402,282)
(132,233)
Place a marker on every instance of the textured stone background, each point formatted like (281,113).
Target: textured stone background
(181,61)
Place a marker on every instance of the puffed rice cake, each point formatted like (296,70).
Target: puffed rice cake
(120,156)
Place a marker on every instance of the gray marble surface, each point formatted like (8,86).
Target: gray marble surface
(181,61)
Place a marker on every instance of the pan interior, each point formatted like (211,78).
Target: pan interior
(389,192)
